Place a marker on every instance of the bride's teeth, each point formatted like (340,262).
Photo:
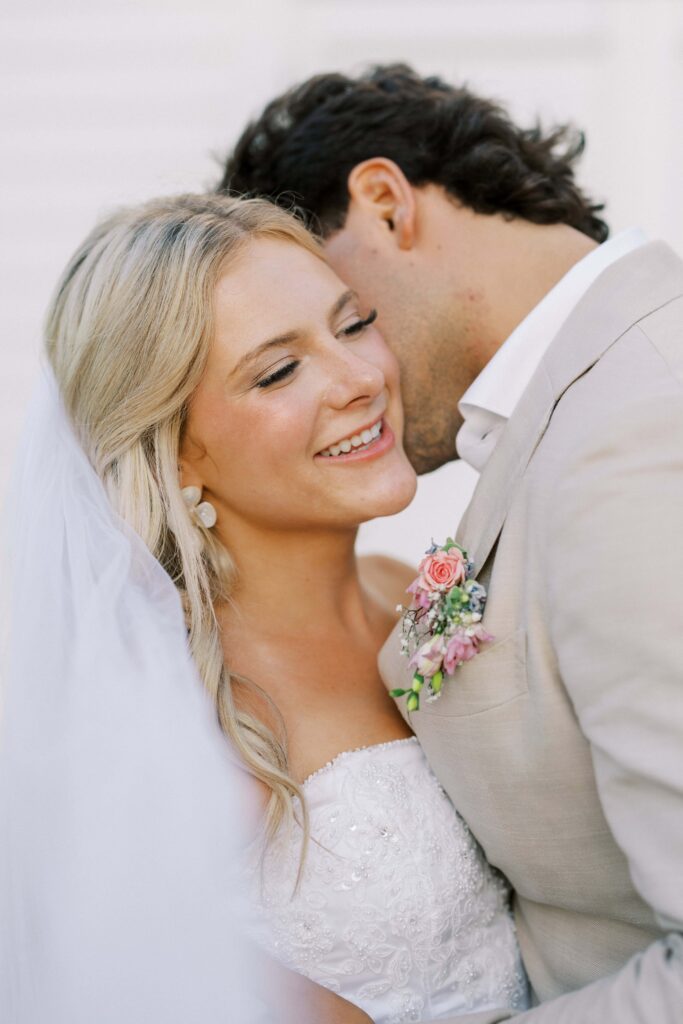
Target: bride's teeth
(356,441)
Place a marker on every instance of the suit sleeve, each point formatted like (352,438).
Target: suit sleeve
(615,601)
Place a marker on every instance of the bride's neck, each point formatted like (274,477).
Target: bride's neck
(290,581)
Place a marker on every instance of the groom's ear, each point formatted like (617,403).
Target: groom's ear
(380,189)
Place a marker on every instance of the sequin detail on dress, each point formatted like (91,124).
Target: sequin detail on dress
(397,909)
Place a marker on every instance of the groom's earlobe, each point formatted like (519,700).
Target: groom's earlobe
(403,224)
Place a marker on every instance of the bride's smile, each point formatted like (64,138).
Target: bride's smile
(364,439)
(297,423)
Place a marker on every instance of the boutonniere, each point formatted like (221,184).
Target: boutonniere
(441,628)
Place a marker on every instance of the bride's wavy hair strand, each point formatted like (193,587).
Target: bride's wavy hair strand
(128,335)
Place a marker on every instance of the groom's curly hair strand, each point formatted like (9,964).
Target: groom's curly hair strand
(306,142)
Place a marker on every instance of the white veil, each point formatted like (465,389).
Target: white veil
(121,816)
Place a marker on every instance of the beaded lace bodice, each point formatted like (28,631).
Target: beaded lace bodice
(397,909)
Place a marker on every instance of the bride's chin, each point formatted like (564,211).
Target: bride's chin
(395,500)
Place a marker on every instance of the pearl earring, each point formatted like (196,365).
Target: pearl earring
(204,511)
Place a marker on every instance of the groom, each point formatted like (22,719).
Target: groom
(554,365)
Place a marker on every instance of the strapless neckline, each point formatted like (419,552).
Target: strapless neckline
(346,754)
(396,908)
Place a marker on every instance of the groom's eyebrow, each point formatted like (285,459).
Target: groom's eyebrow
(289,336)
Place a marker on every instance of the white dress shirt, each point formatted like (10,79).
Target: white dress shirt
(490,400)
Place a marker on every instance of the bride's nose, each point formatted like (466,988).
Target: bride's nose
(353,379)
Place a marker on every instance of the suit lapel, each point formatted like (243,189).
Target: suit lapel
(483,520)
(627,291)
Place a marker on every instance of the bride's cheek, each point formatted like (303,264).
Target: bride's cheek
(380,355)
(280,440)
(391,368)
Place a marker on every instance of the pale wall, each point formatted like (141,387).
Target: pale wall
(105,103)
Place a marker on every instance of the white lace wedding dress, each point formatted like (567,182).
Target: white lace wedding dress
(397,909)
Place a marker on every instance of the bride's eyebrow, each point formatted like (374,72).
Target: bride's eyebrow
(253,355)
(289,336)
(348,296)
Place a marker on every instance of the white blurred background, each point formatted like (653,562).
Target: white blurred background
(105,103)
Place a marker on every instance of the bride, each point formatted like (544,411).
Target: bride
(243,414)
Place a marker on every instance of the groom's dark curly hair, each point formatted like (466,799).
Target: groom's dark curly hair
(303,146)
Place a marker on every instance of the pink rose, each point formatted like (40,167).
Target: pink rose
(428,659)
(463,646)
(443,570)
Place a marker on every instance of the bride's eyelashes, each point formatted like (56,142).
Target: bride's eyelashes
(281,373)
(288,369)
(359,325)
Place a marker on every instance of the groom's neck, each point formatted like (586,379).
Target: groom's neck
(512,266)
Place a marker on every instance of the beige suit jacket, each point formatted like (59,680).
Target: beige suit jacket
(561,744)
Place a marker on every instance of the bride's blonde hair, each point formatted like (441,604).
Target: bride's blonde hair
(128,334)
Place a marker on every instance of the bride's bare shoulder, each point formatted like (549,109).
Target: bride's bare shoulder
(386,579)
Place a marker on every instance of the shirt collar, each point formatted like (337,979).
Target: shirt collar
(492,397)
